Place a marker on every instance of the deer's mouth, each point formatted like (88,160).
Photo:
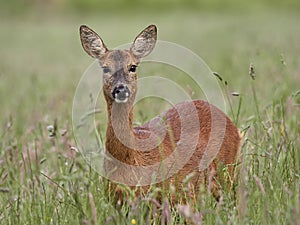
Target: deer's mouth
(121,94)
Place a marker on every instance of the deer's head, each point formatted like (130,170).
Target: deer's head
(119,66)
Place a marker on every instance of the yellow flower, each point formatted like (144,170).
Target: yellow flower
(133,222)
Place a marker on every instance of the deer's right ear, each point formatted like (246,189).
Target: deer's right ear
(91,42)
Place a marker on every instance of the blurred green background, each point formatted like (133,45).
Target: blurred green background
(42,59)
(88,6)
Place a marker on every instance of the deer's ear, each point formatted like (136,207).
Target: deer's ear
(91,42)
(144,43)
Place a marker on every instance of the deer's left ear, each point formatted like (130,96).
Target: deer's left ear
(144,43)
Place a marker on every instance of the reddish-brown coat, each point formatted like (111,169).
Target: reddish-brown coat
(226,157)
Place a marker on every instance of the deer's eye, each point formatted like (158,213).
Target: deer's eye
(106,70)
(132,68)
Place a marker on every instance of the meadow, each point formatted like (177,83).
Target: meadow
(44,180)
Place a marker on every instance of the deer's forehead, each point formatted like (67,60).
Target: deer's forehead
(118,58)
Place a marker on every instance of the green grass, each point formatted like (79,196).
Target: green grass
(44,181)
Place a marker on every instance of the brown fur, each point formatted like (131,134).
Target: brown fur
(120,126)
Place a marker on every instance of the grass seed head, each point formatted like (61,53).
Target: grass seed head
(252,71)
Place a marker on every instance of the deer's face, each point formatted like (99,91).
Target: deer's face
(119,66)
(119,75)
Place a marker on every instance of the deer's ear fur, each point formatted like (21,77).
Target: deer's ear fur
(91,42)
(144,43)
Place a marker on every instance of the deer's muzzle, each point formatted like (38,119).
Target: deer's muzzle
(121,94)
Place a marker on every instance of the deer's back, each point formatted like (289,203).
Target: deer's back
(215,132)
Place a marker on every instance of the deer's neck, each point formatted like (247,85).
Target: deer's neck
(119,134)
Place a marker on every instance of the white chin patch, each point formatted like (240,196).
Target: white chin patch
(121,100)
(124,97)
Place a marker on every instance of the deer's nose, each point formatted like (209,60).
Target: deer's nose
(121,94)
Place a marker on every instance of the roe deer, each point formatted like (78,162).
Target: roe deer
(124,142)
